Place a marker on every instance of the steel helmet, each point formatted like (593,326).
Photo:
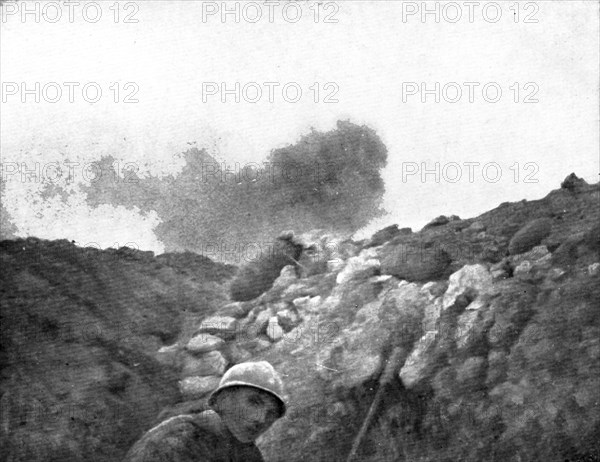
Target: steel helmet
(259,375)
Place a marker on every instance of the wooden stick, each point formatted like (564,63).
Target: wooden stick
(386,377)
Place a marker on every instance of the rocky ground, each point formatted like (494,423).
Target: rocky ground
(496,320)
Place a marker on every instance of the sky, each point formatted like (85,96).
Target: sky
(476,104)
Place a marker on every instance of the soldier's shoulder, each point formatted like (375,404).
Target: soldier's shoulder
(182,435)
(208,421)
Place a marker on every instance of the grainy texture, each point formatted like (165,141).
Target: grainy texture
(503,352)
(192,438)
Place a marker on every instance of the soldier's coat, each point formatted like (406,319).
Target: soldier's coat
(192,438)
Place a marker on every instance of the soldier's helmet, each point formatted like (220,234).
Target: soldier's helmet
(259,375)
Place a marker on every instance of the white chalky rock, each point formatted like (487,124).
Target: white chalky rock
(203,343)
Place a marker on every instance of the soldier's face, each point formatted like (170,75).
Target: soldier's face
(248,412)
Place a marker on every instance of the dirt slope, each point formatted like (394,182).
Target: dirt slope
(80,329)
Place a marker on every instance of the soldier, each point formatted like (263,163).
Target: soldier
(257,276)
(247,402)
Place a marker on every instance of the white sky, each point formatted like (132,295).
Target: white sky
(368,54)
